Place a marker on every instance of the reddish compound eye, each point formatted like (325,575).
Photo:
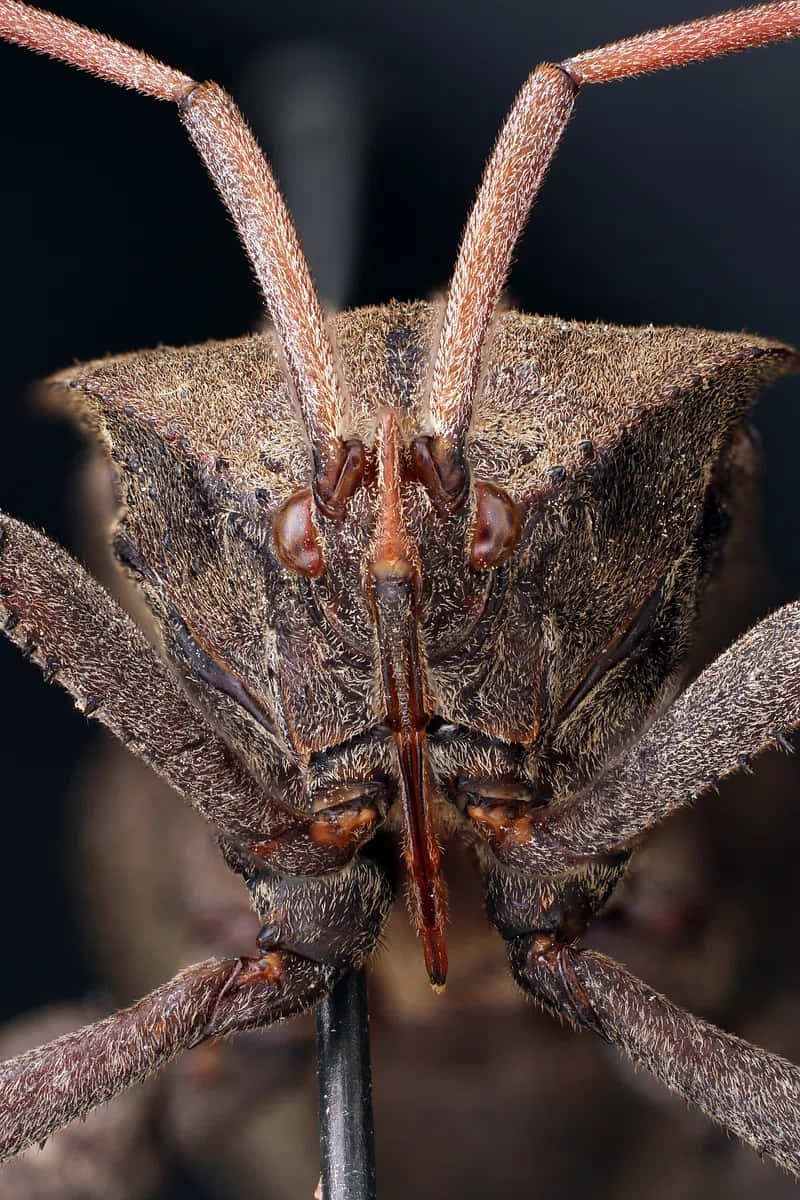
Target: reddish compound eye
(497,527)
(296,538)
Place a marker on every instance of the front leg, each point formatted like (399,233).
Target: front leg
(63,619)
(316,929)
(745,702)
(46,1088)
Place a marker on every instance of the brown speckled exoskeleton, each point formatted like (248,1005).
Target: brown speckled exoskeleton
(425,568)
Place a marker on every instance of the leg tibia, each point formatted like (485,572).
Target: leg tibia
(744,703)
(748,1091)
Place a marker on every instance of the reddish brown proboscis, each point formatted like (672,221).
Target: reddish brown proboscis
(395,585)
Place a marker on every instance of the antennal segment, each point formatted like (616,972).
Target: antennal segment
(511,182)
(251,195)
(90,51)
(679,45)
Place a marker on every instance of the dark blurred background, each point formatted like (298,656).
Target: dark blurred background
(674,200)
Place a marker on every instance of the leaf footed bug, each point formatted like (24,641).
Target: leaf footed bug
(408,618)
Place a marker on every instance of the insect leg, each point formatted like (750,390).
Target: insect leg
(745,702)
(748,1091)
(46,1088)
(61,617)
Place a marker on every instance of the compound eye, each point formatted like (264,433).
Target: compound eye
(296,537)
(497,527)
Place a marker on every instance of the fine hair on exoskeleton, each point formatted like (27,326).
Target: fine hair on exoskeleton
(428,568)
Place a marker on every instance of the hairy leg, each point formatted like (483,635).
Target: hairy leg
(745,702)
(46,1088)
(61,618)
(748,1091)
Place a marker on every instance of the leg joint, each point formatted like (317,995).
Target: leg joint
(334,919)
